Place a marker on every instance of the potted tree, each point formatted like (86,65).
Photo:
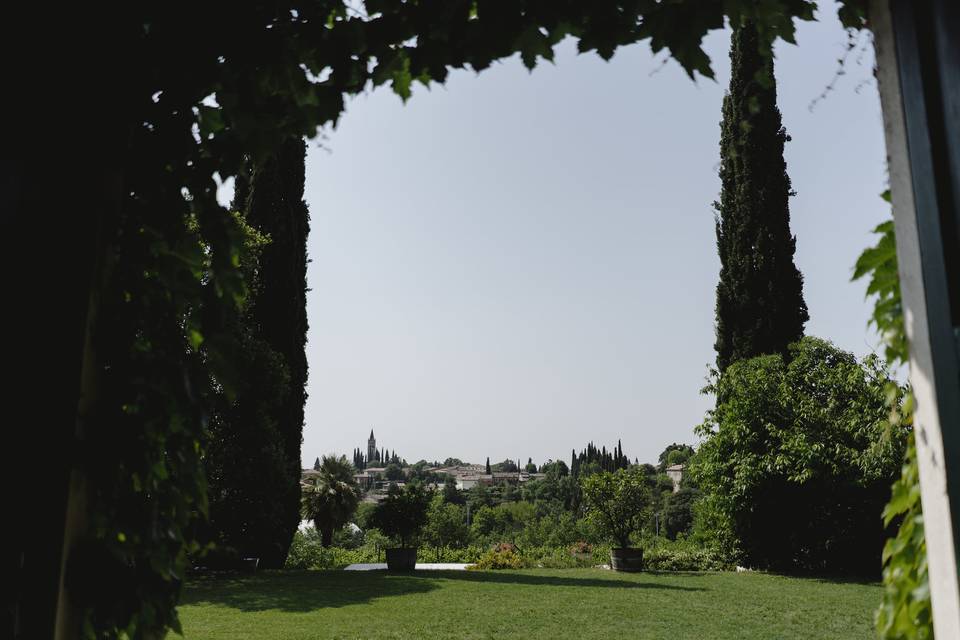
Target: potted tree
(617,504)
(401,516)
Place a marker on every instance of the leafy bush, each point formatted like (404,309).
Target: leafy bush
(799,457)
(685,556)
(500,558)
(581,547)
(557,558)
(678,511)
(446,554)
(307,552)
(446,526)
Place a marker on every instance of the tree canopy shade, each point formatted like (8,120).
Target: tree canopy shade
(171,98)
(760,306)
(799,456)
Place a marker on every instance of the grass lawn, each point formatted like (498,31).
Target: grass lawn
(530,605)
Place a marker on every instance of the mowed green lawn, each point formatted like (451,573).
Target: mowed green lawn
(530,605)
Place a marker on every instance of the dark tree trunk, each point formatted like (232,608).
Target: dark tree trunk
(60,187)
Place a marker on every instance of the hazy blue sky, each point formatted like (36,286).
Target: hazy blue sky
(514,264)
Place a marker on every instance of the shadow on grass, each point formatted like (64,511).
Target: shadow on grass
(615,581)
(304,591)
(301,590)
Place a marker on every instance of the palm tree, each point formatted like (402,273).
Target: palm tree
(331,498)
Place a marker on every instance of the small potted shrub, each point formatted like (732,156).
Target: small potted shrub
(401,516)
(617,504)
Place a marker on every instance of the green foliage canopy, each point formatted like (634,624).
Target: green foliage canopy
(799,457)
(617,503)
(403,513)
(678,512)
(446,526)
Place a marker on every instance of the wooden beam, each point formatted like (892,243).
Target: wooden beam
(925,215)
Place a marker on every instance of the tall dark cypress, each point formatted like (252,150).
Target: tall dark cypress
(488,466)
(249,475)
(275,207)
(760,307)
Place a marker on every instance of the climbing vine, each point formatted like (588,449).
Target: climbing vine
(905,613)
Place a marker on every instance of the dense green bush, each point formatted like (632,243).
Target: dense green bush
(684,555)
(500,558)
(446,554)
(677,515)
(799,457)
(446,526)
(307,552)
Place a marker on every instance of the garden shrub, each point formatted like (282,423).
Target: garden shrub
(306,552)
(684,558)
(799,456)
(448,554)
(501,557)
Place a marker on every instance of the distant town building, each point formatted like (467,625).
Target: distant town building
(371,448)
(675,473)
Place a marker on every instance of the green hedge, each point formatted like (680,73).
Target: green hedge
(663,555)
(684,559)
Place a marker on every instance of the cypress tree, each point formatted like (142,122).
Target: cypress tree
(253,481)
(760,307)
(488,466)
(275,207)
(316,464)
